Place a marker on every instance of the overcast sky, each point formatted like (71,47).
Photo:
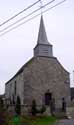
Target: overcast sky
(16,47)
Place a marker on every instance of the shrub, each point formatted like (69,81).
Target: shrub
(43,109)
(2,113)
(34,108)
(18,106)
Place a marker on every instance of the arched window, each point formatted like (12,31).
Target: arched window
(15,88)
(48,97)
(13,99)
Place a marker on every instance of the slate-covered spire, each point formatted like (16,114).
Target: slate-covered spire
(43,47)
(42,37)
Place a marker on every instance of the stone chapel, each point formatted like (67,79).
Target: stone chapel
(41,78)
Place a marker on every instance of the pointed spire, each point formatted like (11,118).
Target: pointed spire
(42,37)
(43,47)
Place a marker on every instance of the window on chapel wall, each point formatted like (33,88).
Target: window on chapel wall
(48,97)
(10,89)
(15,88)
(13,99)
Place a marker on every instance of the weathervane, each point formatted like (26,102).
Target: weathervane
(41,6)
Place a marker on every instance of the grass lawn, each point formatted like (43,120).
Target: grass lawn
(43,121)
(38,120)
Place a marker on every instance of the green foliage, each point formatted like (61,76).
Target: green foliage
(16,120)
(43,109)
(2,113)
(18,106)
(44,120)
(35,120)
(34,108)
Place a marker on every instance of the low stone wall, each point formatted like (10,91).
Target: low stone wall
(70,112)
(26,110)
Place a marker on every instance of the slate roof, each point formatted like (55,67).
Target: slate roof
(42,36)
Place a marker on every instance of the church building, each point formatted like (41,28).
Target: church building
(41,78)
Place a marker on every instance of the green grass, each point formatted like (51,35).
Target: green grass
(38,120)
(44,121)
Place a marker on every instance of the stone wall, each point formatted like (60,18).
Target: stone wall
(44,73)
(10,88)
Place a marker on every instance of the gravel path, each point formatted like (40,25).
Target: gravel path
(66,122)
